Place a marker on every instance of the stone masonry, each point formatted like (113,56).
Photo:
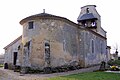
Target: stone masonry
(53,41)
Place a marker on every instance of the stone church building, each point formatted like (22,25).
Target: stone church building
(51,41)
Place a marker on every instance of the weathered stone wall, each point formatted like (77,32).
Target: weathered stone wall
(9,53)
(63,40)
(81,55)
(99,49)
(2,59)
(68,41)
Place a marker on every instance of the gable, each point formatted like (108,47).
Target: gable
(13,42)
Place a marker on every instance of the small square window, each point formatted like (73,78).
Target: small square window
(30,25)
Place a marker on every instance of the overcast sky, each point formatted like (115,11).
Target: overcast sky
(12,11)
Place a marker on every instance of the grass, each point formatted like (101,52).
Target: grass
(90,76)
(1,65)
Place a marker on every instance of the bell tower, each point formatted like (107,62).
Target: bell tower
(89,18)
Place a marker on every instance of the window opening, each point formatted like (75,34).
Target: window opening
(87,10)
(14,58)
(30,25)
(93,24)
(47,54)
(101,48)
(92,46)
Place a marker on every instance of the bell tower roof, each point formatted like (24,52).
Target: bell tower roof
(87,13)
(88,5)
(87,16)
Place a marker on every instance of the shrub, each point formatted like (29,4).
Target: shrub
(34,71)
(114,68)
(1,65)
(114,62)
(114,65)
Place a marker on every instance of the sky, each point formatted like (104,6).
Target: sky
(12,11)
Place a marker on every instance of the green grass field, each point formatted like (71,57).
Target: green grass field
(90,76)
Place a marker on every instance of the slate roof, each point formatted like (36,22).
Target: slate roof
(86,16)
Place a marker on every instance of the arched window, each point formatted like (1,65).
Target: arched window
(93,24)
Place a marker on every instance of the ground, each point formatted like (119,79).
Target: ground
(11,75)
(6,74)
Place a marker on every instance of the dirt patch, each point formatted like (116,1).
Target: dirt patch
(11,75)
(6,74)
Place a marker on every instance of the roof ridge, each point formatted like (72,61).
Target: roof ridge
(13,42)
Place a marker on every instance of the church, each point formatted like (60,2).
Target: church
(51,41)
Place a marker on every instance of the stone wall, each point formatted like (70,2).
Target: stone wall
(69,45)
(94,49)
(1,58)
(63,40)
(9,53)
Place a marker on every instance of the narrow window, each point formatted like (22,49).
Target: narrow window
(84,23)
(101,48)
(87,10)
(28,48)
(15,58)
(47,54)
(30,25)
(19,47)
(92,46)
(28,45)
(64,45)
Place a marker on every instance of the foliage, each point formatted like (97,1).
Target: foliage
(34,71)
(114,68)
(114,62)
(90,76)
(1,65)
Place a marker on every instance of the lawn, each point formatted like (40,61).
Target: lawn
(1,65)
(90,76)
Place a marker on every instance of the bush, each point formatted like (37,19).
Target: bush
(114,65)
(114,68)
(114,62)
(34,71)
(1,65)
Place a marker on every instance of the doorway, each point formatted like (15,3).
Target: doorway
(15,58)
